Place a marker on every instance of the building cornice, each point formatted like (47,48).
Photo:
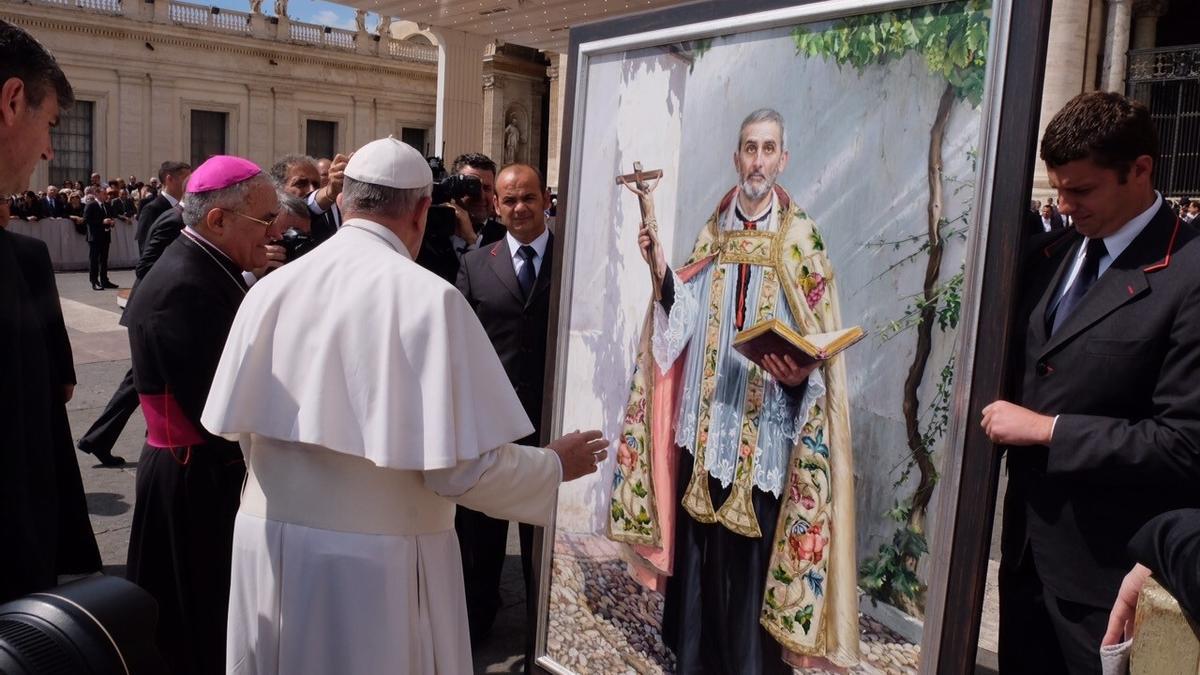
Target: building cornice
(116,27)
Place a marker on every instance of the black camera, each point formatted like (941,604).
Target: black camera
(457,187)
(296,243)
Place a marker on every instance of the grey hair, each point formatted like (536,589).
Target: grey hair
(279,169)
(196,205)
(369,198)
(293,205)
(764,115)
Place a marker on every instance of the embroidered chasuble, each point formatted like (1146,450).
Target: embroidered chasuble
(691,392)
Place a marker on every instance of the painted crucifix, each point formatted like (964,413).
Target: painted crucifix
(642,184)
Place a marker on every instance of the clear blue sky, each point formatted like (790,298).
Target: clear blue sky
(309,11)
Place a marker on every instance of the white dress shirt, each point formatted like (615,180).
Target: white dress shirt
(1116,243)
(539,246)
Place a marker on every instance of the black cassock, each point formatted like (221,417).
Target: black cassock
(188,481)
(28,503)
(75,549)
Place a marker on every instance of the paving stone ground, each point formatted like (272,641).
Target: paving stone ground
(585,624)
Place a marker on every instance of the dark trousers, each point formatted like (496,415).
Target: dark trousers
(102,436)
(98,261)
(714,598)
(483,541)
(1043,633)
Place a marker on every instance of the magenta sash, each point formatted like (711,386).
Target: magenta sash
(166,425)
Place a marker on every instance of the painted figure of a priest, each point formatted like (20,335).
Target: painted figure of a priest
(759,562)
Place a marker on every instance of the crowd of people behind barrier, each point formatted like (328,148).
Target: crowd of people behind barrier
(126,197)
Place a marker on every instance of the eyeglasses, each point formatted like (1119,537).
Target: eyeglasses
(267,224)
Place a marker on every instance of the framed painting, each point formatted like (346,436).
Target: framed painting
(815,169)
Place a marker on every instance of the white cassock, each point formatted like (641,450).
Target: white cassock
(368,401)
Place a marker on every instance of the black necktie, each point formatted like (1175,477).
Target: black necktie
(1083,281)
(528,274)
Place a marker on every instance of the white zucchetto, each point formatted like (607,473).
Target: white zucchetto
(391,163)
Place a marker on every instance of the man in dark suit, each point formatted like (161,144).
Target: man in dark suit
(173,178)
(52,205)
(1050,220)
(104,432)
(99,220)
(508,286)
(1104,433)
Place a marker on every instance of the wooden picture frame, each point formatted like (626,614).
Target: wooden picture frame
(1008,128)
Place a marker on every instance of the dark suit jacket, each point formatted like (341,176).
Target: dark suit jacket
(146,217)
(53,208)
(325,225)
(159,236)
(1170,546)
(93,217)
(1121,374)
(516,327)
(124,207)
(34,259)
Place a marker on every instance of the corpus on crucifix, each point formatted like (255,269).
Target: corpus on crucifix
(638,183)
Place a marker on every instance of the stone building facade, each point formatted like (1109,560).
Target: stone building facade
(514,104)
(1113,45)
(173,80)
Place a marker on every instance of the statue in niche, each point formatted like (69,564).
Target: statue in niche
(385,25)
(281,8)
(360,20)
(256,6)
(512,139)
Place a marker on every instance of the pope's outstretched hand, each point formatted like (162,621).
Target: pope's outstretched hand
(580,452)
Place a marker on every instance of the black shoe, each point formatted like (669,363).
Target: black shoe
(108,284)
(105,456)
(109,459)
(97,287)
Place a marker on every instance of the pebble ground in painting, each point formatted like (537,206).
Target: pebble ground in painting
(602,621)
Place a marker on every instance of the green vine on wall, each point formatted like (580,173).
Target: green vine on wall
(952,40)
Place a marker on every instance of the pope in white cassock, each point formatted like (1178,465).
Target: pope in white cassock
(368,402)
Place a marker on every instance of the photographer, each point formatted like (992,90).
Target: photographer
(463,216)
(293,218)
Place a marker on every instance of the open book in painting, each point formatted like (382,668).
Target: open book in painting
(773,337)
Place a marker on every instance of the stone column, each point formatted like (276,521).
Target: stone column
(493,110)
(557,72)
(459,125)
(1145,23)
(166,123)
(1115,45)
(261,125)
(131,124)
(1065,66)
(362,125)
(287,132)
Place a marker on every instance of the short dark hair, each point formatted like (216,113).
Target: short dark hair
(475,160)
(1104,127)
(541,179)
(170,168)
(26,59)
(279,170)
